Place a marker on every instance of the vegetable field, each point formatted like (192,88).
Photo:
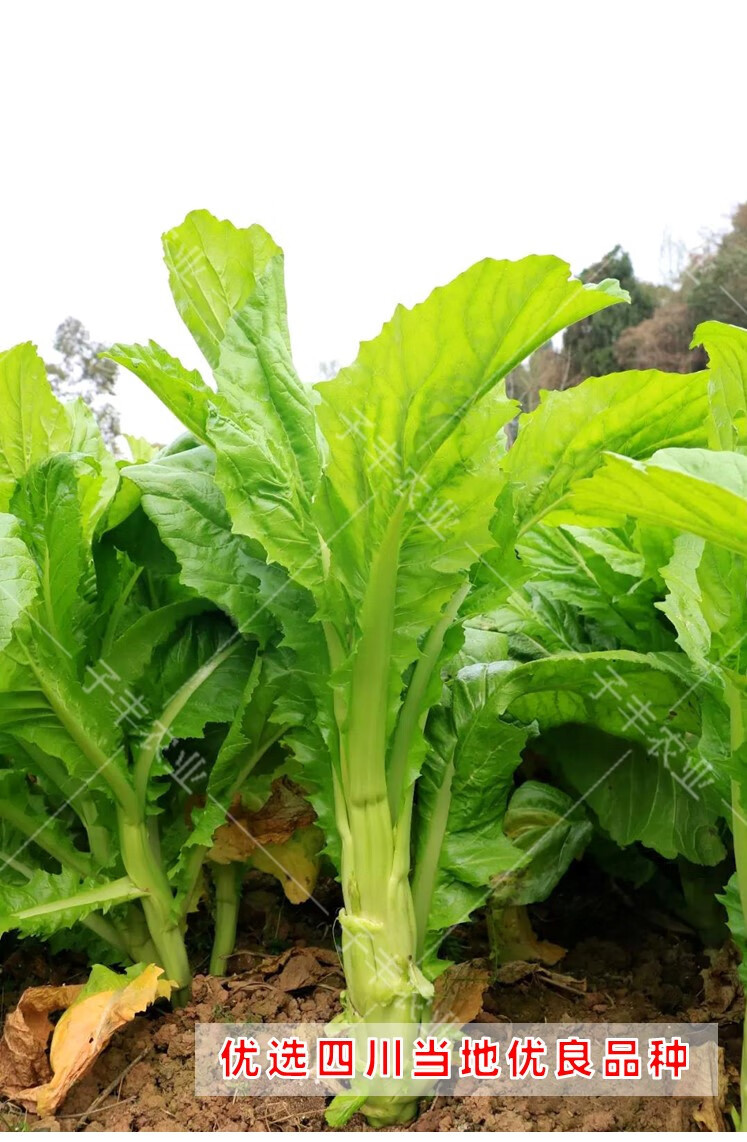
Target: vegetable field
(340,706)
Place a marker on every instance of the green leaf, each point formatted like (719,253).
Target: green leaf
(564,439)
(183,391)
(256,376)
(213,269)
(180,496)
(19,582)
(427,434)
(732,902)
(536,624)
(263,425)
(633,696)
(639,764)
(141,449)
(49,902)
(43,704)
(413,475)
(249,736)
(197,677)
(33,424)
(683,605)
(553,830)
(602,575)
(138,537)
(636,799)
(48,504)
(99,480)
(692,490)
(462,794)
(134,647)
(726,346)
(41,820)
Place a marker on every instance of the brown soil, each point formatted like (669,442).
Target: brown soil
(626,964)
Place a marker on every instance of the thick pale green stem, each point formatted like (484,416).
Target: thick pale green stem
(140,945)
(424,878)
(383,983)
(412,707)
(158,903)
(79,798)
(377,921)
(103,766)
(56,846)
(227,881)
(117,611)
(160,731)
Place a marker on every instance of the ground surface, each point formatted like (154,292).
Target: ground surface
(625,963)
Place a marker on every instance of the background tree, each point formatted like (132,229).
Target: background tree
(714,283)
(590,344)
(662,341)
(656,329)
(548,368)
(80,372)
(328,370)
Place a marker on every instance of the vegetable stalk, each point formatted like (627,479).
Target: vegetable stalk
(227,881)
(158,903)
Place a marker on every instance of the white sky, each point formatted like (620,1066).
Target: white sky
(385,146)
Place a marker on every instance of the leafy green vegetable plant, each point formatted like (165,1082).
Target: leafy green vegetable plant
(123,695)
(697,498)
(368,519)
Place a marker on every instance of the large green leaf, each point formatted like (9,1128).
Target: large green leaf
(409,490)
(637,799)
(726,346)
(134,646)
(180,496)
(33,422)
(181,390)
(49,902)
(42,821)
(563,440)
(250,735)
(419,439)
(43,704)
(99,479)
(552,830)
(197,677)
(683,605)
(602,575)
(19,582)
(213,269)
(47,501)
(47,699)
(692,490)
(627,694)
(732,902)
(462,794)
(228,287)
(643,770)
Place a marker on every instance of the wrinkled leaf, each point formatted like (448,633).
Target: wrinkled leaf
(246,830)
